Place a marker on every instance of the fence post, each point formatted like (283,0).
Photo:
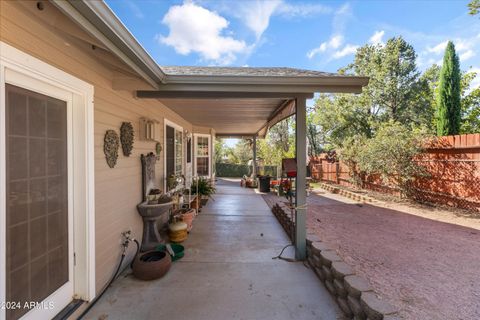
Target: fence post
(337,171)
(321,171)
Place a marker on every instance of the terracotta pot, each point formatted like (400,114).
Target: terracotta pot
(188,218)
(151,265)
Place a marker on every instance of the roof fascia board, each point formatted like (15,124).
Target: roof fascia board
(220,95)
(263,87)
(213,79)
(132,53)
(235,135)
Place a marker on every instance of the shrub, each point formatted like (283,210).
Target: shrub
(390,153)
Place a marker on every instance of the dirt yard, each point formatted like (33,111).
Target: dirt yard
(429,269)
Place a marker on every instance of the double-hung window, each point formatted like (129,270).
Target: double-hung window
(203,155)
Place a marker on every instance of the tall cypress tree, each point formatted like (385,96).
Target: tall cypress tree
(448,96)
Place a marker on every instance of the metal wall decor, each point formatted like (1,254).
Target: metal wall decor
(148,129)
(110,147)
(126,137)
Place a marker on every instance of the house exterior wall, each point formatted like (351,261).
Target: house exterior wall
(117,190)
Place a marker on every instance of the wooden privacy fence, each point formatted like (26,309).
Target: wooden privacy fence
(453,164)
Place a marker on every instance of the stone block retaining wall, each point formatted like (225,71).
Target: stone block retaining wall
(353,293)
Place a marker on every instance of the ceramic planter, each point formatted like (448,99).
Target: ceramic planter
(151,265)
(188,218)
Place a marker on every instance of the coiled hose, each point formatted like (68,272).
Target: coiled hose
(124,253)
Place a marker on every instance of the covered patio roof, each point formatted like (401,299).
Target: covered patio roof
(243,101)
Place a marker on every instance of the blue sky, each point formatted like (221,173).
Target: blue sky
(318,35)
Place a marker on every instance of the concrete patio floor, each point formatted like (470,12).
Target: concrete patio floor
(227,271)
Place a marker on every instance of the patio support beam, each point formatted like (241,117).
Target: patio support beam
(172,94)
(300,181)
(254,162)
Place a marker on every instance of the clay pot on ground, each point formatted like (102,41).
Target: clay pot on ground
(188,218)
(151,265)
(194,204)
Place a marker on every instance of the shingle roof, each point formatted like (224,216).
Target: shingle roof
(243,71)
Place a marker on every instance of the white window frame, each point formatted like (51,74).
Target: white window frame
(179,128)
(195,140)
(25,70)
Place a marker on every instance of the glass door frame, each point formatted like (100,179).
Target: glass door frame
(20,69)
(176,128)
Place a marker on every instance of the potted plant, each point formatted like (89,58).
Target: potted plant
(205,189)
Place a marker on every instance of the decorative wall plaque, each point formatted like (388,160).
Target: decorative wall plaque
(126,137)
(148,173)
(110,147)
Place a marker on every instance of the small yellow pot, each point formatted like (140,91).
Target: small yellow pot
(178,232)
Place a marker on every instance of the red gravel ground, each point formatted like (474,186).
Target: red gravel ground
(428,269)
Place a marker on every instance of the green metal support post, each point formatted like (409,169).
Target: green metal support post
(300,181)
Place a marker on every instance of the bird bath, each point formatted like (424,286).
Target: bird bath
(155,216)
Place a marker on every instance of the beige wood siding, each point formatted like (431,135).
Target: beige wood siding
(117,190)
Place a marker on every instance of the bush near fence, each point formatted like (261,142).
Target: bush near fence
(453,163)
(229,170)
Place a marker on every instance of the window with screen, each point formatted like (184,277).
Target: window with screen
(202,155)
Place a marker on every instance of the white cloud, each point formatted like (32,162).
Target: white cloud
(256,15)
(439,48)
(334,43)
(346,51)
(466,55)
(462,45)
(377,37)
(465,47)
(196,29)
(341,17)
(302,10)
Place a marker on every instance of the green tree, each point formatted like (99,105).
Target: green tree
(474,7)
(396,90)
(426,97)
(313,136)
(341,116)
(394,79)
(470,104)
(390,153)
(221,150)
(449,92)
(469,101)
(241,152)
(282,134)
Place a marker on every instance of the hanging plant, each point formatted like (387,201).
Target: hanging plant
(110,147)
(126,137)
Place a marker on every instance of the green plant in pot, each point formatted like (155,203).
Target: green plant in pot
(204,187)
